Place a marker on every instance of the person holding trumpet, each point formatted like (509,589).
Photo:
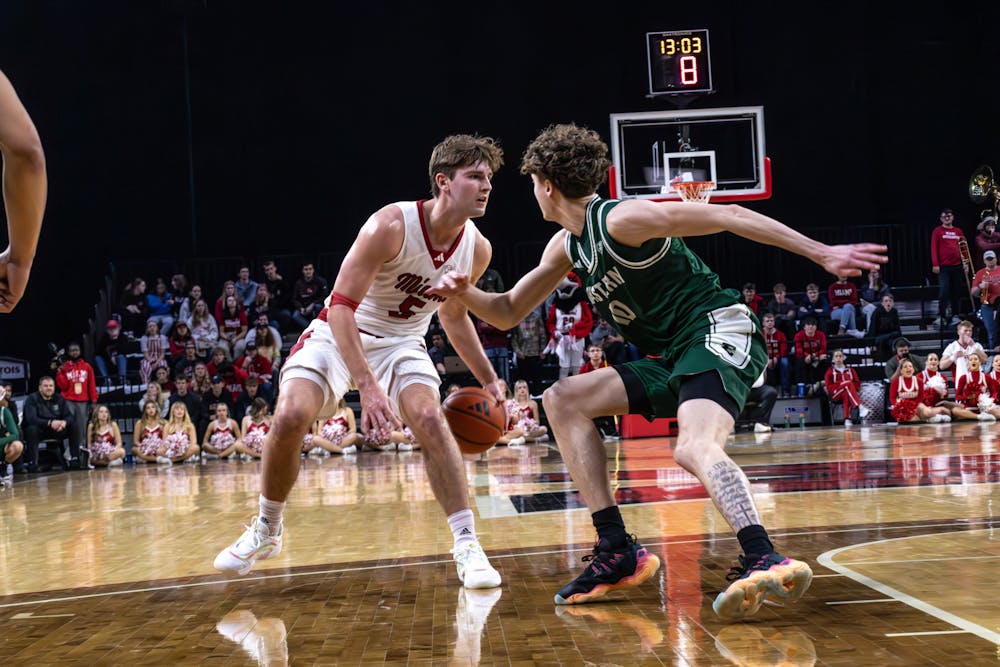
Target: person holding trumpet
(950,264)
(986,288)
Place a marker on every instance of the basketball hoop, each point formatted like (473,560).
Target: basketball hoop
(698,191)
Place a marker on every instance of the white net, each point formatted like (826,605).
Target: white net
(699,191)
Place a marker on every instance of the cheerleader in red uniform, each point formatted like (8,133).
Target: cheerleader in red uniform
(179,439)
(222,437)
(104,439)
(256,426)
(975,391)
(843,384)
(514,436)
(995,369)
(527,413)
(935,385)
(336,435)
(148,436)
(905,394)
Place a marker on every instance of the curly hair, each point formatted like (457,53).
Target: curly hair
(574,158)
(462,150)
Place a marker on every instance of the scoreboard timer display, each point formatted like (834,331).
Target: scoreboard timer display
(679,62)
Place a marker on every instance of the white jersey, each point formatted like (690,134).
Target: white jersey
(960,355)
(397,303)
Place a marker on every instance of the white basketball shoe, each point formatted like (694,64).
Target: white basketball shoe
(256,543)
(474,569)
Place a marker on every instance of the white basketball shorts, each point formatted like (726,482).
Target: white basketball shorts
(396,361)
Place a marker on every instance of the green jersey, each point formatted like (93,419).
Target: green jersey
(653,294)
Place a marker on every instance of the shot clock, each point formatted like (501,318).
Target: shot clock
(679,62)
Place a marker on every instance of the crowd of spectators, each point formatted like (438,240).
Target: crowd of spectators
(210,345)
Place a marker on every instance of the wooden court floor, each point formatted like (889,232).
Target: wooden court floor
(113,567)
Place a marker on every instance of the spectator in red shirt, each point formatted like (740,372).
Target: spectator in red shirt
(843,384)
(608,426)
(233,327)
(751,299)
(257,366)
(595,359)
(497,348)
(987,237)
(811,359)
(946,261)
(75,379)
(179,338)
(777,355)
(843,298)
(986,289)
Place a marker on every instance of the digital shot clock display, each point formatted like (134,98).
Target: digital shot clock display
(679,62)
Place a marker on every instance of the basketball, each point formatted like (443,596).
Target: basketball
(475,418)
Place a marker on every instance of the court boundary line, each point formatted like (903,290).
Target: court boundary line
(222,580)
(826,559)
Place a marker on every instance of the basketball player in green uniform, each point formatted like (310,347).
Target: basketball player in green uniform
(705,352)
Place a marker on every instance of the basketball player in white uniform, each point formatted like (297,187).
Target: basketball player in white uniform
(370,336)
(25,188)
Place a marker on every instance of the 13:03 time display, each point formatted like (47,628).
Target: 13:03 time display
(679,62)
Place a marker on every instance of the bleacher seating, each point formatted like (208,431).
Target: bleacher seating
(917,306)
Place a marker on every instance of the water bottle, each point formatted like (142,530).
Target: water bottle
(787,422)
(802,420)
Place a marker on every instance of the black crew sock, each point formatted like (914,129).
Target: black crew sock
(754,542)
(610,526)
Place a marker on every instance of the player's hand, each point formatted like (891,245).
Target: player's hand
(850,260)
(377,415)
(452,284)
(13,281)
(494,389)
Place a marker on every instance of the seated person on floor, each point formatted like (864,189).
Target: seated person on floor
(976,393)
(256,425)
(337,434)
(843,384)
(935,385)
(522,417)
(906,393)
(104,439)
(11,446)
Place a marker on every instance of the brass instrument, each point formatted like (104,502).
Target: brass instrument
(984,294)
(963,250)
(982,186)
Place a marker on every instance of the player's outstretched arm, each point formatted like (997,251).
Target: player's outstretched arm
(24,193)
(506,310)
(636,221)
(454,318)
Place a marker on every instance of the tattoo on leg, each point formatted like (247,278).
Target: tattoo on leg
(731,490)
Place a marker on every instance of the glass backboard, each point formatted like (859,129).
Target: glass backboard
(649,149)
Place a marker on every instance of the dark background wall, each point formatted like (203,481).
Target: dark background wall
(305,117)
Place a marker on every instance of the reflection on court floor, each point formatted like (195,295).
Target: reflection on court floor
(113,565)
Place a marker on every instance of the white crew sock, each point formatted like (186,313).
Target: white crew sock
(463,527)
(270,514)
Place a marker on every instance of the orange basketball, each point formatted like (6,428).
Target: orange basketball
(475,418)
